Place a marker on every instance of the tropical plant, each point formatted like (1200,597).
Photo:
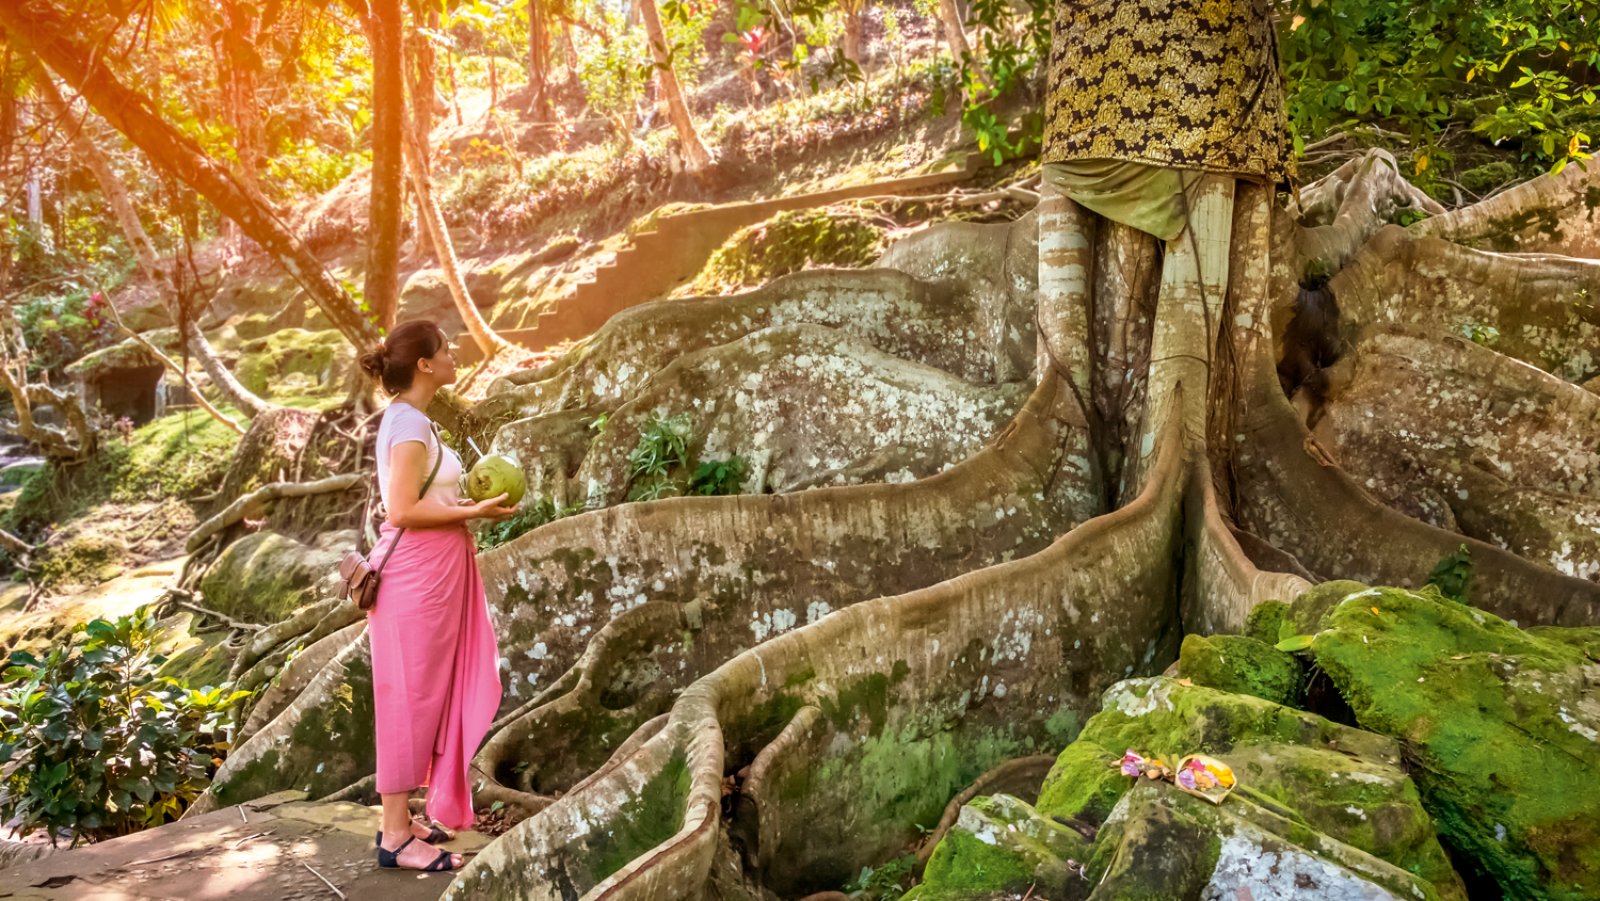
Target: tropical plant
(95,744)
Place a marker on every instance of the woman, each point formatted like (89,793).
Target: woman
(434,674)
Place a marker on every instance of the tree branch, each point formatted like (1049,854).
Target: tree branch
(273,491)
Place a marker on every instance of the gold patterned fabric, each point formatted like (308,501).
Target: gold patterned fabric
(1190,84)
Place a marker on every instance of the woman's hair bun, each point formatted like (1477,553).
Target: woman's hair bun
(373,363)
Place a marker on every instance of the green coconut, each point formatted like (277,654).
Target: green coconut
(494,475)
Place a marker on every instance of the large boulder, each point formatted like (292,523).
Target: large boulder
(264,577)
(1321,809)
(1501,726)
(294,362)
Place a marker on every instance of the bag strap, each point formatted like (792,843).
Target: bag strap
(425,486)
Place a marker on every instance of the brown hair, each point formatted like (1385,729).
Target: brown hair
(394,362)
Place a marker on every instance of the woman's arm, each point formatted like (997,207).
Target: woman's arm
(408,463)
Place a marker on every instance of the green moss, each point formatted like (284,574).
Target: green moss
(1364,804)
(269,365)
(653,815)
(790,242)
(126,354)
(1264,622)
(1161,717)
(253,780)
(331,745)
(264,577)
(1244,665)
(964,867)
(1305,615)
(1481,180)
(1498,722)
(84,560)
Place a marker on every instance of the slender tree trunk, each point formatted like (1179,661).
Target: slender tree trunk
(121,203)
(696,157)
(538,60)
(569,50)
(388,168)
(954,34)
(128,111)
(432,221)
(854,16)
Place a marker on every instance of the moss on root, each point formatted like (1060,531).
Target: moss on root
(653,815)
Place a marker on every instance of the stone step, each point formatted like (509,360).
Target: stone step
(260,855)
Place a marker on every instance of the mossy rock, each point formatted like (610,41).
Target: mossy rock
(790,242)
(264,577)
(1501,726)
(1305,779)
(125,354)
(323,360)
(1304,616)
(1000,844)
(1162,843)
(1240,664)
(253,326)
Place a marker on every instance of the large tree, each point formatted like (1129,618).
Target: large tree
(767,692)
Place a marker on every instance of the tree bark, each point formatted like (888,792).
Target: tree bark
(538,60)
(432,221)
(116,195)
(388,175)
(954,34)
(695,155)
(133,114)
(850,41)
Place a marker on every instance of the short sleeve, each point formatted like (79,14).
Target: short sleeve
(409,426)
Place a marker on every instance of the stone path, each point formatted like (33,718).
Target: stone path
(259,857)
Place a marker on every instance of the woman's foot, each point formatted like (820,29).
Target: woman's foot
(408,852)
(433,835)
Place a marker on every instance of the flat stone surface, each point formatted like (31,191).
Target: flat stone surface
(261,856)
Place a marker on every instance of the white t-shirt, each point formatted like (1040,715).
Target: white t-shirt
(401,423)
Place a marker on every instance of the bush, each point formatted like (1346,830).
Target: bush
(93,742)
(530,517)
(59,330)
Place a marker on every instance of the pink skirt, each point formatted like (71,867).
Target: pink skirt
(435,671)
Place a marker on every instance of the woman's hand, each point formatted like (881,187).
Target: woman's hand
(490,508)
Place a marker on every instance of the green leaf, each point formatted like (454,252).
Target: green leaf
(1295,643)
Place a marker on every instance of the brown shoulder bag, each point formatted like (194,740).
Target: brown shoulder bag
(358,579)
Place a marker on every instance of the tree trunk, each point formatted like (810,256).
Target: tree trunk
(695,155)
(432,222)
(954,34)
(388,168)
(538,60)
(121,203)
(854,16)
(133,114)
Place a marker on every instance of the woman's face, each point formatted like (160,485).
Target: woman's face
(441,367)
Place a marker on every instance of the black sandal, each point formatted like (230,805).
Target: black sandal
(435,836)
(391,859)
